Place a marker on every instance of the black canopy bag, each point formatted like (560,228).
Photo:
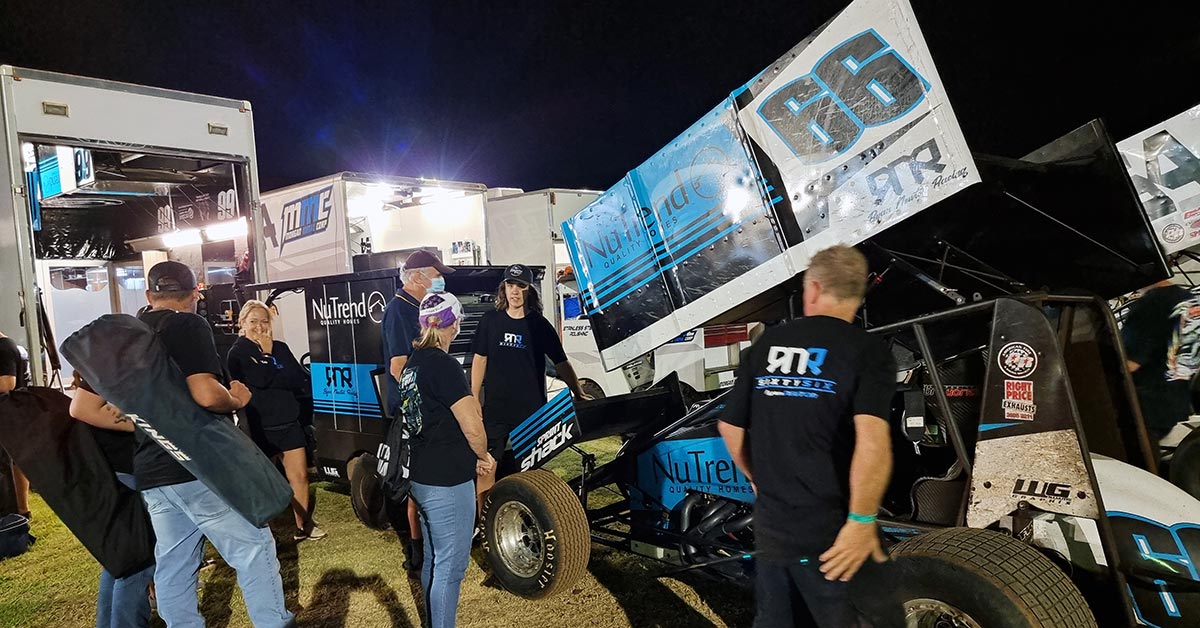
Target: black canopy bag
(60,457)
(153,391)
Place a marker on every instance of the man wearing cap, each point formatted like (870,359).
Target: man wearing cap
(508,371)
(183,511)
(421,274)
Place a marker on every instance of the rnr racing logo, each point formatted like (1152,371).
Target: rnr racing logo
(338,377)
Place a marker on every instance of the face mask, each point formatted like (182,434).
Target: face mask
(437,284)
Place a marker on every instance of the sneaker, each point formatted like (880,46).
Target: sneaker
(300,535)
(316,533)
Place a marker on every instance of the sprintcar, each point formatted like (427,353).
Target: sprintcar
(1025,492)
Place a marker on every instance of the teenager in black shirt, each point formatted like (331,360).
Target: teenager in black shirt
(807,420)
(280,401)
(508,372)
(120,602)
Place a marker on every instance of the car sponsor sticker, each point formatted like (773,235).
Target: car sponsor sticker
(1017,360)
(1018,400)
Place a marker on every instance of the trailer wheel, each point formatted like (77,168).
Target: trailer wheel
(366,492)
(591,388)
(536,534)
(971,578)
(1185,464)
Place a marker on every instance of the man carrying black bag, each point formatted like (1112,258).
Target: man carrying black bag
(182,510)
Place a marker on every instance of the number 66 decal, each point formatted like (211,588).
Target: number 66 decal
(862,83)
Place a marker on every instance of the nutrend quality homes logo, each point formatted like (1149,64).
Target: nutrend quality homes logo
(334,310)
(306,216)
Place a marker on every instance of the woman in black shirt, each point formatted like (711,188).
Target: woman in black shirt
(448,451)
(280,403)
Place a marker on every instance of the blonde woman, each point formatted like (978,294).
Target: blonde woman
(280,399)
(448,451)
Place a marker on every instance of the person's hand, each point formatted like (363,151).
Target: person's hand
(265,340)
(854,544)
(240,393)
(485,467)
(582,396)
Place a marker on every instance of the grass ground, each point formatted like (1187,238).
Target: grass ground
(353,579)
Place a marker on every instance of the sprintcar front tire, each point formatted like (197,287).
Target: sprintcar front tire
(536,535)
(984,579)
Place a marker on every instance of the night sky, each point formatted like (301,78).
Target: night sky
(575,93)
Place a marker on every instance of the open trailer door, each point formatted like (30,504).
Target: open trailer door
(79,151)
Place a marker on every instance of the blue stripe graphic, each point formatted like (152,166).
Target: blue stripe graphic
(560,400)
(660,252)
(986,427)
(531,444)
(668,267)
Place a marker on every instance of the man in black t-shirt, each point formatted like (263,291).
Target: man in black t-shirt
(1161,335)
(508,372)
(807,421)
(14,375)
(183,511)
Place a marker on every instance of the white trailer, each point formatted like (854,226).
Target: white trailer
(71,142)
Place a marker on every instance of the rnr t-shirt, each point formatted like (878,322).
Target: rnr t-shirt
(516,349)
(797,391)
(14,362)
(401,326)
(431,382)
(1162,335)
(189,341)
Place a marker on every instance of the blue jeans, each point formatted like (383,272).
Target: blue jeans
(448,522)
(182,516)
(124,602)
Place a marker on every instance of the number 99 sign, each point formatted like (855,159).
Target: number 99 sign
(859,84)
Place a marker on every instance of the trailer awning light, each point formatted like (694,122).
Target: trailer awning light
(176,239)
(227,230)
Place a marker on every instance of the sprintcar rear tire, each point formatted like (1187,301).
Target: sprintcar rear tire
(1185,464)
(967,575)
(536,535)
(366,492)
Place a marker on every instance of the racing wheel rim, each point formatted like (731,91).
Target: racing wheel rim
(929,613)
(519,539)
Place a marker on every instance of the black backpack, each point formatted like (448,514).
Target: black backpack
(14,536)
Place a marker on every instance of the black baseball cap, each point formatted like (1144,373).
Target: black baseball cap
(425,259)
(170,276)
(519,273)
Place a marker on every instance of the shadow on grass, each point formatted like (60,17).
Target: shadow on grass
(648,602)
(330,604)
(217,596)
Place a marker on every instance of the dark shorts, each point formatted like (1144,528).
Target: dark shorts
(498,447)
(274,440)
(798,594)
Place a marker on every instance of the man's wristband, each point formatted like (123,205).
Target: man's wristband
(857,518)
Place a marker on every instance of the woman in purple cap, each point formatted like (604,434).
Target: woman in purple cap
(448,448)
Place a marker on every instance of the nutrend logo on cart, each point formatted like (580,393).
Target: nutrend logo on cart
(337,311)
(306,216)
